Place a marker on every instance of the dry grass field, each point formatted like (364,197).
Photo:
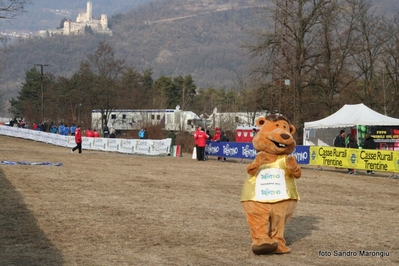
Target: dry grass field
(103,208)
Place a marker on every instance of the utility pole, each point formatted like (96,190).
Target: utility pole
(41,85)
(283,58)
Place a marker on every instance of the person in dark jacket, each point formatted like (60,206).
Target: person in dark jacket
(106,131)
(339,140)
(352,144)
(223,138)
(209,134)
(210,139)
(369,144)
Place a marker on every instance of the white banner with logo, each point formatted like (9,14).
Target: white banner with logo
(131,146)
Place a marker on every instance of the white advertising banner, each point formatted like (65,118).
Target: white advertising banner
(114,145)
(131,146)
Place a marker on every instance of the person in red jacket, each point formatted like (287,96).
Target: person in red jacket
(200,139)
(89,133)
(95,134)
(217,135)
(78,140)
(196,140)
(216,138)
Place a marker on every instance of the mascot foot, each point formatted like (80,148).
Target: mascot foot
(264,249)
(282,249)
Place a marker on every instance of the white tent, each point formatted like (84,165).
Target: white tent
(322,132)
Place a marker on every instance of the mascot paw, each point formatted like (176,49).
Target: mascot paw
(264,249)
(291,163)
(282,249)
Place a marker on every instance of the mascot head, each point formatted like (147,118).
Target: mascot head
(275,135)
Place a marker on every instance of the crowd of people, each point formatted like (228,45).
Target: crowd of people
(200,138)
(17,123)
(63,129)
(349,141)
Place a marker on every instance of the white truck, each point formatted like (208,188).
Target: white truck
(135,119)
(233,119)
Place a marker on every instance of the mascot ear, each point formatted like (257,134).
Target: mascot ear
(260,121)
(292,129)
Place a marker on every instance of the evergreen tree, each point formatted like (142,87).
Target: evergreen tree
(28,102)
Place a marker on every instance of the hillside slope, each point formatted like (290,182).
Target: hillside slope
(45,14)
(201,38)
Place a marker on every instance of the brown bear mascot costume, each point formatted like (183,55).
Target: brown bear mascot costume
(269,195)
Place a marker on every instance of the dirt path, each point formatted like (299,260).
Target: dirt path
(103,208)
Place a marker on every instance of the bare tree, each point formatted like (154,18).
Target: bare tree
(290,53)
(8,10)
(105,91)
(11,8)
(389,76)
(369,40)
(333,71)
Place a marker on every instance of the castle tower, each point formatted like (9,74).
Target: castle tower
(104,22)
(89,13)
(67,27)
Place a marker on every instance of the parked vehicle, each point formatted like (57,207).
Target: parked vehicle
(170,119)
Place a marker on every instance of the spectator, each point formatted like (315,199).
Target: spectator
(73,130)
(216,138)
(89,133)
(34,127)
(78,140)
(210,139)
(353,145)
(44,128)
(106,131)
(61,129)
(95,134)
(22,123)
(172,136)
(145,133)
(369,144)
(66,130)
(112,133)
(209,134)
(141,134)
(112,130)
(339,140)
(223,138)
(201,138)
(217,135)
(196,133)
(53,129)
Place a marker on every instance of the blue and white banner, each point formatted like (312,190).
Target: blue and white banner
(241,150)
(245,150)
(302,154)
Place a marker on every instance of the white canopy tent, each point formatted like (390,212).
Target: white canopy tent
(322,132)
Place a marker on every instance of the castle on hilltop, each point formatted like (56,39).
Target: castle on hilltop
(84,21)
